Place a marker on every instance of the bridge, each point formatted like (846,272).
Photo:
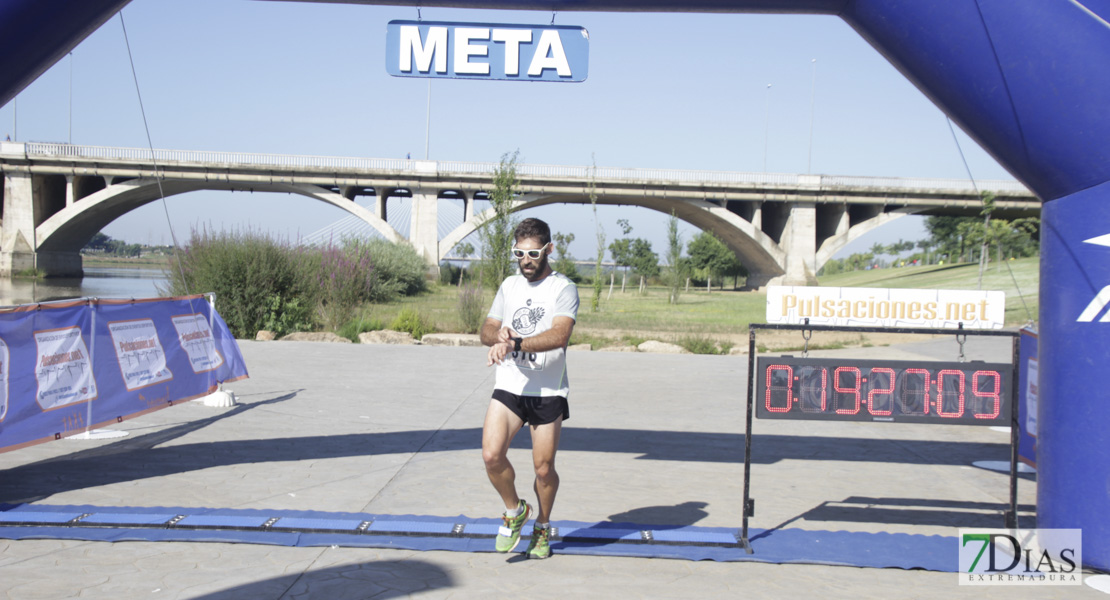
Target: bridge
(783,227)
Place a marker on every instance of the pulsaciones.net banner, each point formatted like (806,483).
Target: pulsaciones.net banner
(68,367)
(886,307)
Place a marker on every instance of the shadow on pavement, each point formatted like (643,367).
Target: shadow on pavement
(911,511)
(377,579)
(144,456)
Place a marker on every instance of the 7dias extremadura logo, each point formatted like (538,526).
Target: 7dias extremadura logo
(1021,557)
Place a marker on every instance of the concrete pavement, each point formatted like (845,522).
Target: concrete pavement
(654,439)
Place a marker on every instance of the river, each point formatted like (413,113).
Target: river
(98,282)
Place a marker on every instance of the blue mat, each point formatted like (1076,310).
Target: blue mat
(465,534)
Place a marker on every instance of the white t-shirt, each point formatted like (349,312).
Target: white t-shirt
(529,309)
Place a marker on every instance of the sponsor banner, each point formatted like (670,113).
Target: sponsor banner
(196,339)
(1029,557)
(68,367)
(63,368)
(487,51)
(139,353)
(878,307)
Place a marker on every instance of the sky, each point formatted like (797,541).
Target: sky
(682,91)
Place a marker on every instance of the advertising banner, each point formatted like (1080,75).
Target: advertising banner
(879,307)
(68,367)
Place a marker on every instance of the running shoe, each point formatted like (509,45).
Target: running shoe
(508,535)
(540,546)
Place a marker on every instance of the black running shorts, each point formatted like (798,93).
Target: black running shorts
(534,410)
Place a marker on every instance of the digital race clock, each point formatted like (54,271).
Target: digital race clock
(965,393)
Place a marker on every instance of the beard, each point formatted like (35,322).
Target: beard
(538,272)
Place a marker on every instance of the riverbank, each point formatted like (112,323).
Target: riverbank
(145,262)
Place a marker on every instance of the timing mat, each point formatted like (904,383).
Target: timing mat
(465,534)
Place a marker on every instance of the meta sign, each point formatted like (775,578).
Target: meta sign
(487,51)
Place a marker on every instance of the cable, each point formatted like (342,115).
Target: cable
(153,158)
(975,187)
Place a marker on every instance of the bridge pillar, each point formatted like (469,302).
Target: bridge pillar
(26,204)
(799,241)
(381,201)
(424,225)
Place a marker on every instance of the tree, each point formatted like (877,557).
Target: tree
(496,233)
(621,251)
(595,302)
(99,241)
(644,261)
(564,262)
(711,259)
(464,250)
(947,236)
(878,249)
(677,272)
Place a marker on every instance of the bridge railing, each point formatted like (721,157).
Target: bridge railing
(580,173)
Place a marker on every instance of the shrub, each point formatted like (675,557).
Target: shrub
(361,325)
(410,320)
(704,345)
(400,270)
(261,282)
(287,316)
(449,274)
(472,308)
(250,273)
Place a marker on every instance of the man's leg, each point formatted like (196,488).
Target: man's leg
(500,427)
(545,442)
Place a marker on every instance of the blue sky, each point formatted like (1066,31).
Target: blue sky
(664,90)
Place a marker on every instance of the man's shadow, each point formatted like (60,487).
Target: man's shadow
(663,517)
(627,526)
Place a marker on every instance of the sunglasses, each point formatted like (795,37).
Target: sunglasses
(532,254)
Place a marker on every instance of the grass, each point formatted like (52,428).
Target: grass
(713,322)
(1021,297)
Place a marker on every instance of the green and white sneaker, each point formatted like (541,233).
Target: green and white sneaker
(541,543)
(508,535)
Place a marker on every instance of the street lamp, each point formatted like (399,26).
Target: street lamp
(812,95)
(766,126)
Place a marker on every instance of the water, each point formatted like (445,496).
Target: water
(99,282)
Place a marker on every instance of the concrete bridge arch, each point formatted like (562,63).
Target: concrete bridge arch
(64,233)
(754,248)
(767,259)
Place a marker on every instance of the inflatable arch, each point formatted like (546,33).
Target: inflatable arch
(1025,78)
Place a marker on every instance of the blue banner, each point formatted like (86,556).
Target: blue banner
(72,366)
(487,51)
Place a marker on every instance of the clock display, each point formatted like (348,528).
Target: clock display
(967,393)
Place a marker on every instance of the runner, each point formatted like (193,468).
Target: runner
(540,307)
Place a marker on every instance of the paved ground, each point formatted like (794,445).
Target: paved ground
(655,439)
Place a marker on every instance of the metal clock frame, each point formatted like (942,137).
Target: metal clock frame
(1010,516)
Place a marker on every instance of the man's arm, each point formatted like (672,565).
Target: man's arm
(498,339)
(491,332)
(556,337)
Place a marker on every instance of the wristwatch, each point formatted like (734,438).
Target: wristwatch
(516,343)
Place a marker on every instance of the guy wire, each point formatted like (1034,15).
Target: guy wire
(975,186)
(154,159)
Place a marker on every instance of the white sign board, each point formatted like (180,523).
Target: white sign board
(878,307)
